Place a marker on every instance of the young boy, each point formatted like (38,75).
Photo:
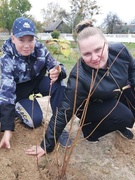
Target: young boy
(23,66)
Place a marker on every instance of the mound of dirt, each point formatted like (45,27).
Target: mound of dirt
(112,158)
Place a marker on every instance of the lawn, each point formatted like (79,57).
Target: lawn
(68,62)
(131,48)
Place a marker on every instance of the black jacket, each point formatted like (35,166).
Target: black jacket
(120,71)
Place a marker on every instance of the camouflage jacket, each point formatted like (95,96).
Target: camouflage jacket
(15,69)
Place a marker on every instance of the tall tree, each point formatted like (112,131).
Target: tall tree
(39,26)
(113,24)
(79,9)
(53,12)
(83,9)
(20,7)
(10,10)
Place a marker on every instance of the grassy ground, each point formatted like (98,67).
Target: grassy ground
(131,47)
(68,62)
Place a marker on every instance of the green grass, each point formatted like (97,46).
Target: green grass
(131,48)
(68,62)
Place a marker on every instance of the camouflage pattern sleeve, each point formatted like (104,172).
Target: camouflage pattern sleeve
(8,85)
(7,94)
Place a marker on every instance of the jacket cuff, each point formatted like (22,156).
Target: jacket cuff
(62,74)
(7,116)
(46,146)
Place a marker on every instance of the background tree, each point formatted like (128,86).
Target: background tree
(114,25)
(10,10)
(79,9)
(52,12)
(39,26)
(131,27)
(83,9)
(5,17)
(133,21)
(67,26)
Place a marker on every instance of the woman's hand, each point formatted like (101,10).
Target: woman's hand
(35,151)
(5,141)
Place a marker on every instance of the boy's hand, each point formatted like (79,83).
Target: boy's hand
(54,73)
(5,141)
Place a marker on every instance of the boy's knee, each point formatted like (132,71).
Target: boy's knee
(30,118)
(36,122)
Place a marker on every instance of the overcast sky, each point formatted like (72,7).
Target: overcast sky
(125,9)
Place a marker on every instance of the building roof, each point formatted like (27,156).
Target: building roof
(52,26)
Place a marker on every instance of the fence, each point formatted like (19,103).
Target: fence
(120,37)
(110,37)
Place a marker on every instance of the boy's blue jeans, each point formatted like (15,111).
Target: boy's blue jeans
(29,111)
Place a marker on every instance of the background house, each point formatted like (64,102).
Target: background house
(55,25)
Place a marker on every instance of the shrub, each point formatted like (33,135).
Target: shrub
(60,46)
(55,34)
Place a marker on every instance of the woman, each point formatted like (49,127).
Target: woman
(96,85)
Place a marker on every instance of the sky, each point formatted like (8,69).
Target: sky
(124,9)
